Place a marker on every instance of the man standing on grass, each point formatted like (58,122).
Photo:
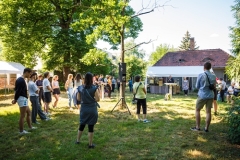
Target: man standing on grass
(47,92)
(21,98)
(205,96)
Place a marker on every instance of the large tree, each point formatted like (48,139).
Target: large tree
(31,29)
(185,43)
(161,50)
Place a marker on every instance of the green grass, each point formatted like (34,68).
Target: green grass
(118,135)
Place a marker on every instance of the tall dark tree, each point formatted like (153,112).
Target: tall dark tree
(185,43)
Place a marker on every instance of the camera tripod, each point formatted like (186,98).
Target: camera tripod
(124,103)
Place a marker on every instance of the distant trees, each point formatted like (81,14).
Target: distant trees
(185,43)
(161,50)
(233,64)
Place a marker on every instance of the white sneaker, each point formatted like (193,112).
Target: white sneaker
(48,114)
(47,119)
(24,132)
(146,121)
(33,127)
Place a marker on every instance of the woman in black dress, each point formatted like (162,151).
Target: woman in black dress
(88,97)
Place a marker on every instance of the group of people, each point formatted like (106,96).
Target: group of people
(87,95)
(21,97)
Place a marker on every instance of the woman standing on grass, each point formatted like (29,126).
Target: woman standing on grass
(56,90)
(185,86)
(140,94)
(69,89)
(88,96)
(77,83)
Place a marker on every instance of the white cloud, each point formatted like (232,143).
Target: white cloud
(214,35)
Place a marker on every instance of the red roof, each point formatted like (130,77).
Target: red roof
(217,57)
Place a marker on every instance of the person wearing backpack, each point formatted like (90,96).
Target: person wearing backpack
(206,83)
(140,94)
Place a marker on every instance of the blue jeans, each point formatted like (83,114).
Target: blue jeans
(70,98)
(36,109)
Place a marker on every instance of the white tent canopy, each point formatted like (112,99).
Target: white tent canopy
(174,71)
(11,68)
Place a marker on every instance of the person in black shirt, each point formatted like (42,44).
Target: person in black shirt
(21,98)
(170,79)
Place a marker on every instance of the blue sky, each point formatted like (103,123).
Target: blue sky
(208,21)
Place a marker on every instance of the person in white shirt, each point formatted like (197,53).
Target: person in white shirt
(230,92)
(69,90)
(222,89)
(56,90)
(47,92)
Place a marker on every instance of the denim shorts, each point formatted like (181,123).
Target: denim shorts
(22,101)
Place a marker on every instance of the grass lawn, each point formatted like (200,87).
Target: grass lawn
(118,135)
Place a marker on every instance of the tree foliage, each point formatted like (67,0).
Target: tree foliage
(235,30)
(96,61)
(161,50)
(135,66)
(233,68)
(109,24)
(185,43)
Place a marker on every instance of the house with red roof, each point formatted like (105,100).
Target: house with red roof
(189,64)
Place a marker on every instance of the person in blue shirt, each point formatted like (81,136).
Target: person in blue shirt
(130,85)
(205,96)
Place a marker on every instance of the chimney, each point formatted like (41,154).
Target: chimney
(192,43)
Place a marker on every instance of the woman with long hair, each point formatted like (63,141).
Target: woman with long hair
(56,90)
(88,96)
(69,89)
(77,82)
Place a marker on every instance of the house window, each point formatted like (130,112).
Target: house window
(181,60)
(207,59)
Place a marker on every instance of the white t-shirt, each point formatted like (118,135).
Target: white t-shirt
(230,89)
(76,84)
(45,84)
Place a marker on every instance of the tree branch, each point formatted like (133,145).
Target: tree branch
(150,41)
(155,6)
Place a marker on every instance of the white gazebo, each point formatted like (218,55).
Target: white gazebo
(7,68)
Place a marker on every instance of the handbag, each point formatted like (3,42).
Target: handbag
(134,100)
(211,86)
(93,99)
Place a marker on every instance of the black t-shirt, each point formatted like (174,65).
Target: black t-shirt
(39,83)
(20,88)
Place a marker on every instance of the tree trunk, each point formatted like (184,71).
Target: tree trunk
(66,68)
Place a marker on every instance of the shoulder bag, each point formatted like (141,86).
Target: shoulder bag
(134,100)
(211,86)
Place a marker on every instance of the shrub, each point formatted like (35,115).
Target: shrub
(234,122)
